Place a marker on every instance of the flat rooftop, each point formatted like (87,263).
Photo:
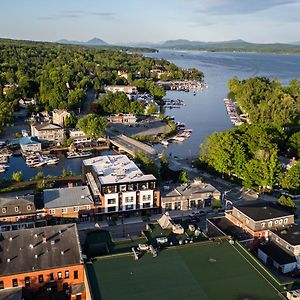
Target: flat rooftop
(37,249)
(228,228)
(277,254)
(198,271)
(291,234)
(113,169)
(263,210)
(67,197)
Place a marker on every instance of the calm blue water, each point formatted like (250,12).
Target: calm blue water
(204,113)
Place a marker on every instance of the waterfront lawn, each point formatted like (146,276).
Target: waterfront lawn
(198,271)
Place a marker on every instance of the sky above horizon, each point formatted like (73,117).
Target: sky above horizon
(117,21)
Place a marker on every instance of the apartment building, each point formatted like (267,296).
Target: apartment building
(48,132)
(118,185)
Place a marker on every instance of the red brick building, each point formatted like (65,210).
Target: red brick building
(44,260)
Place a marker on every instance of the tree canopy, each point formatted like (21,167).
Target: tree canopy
(92,125)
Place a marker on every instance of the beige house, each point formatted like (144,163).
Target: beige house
(127,89)
(78,136)
(59,116)
(48,132)
(188,196)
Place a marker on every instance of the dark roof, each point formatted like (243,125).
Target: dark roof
(290,234)
(22,202)
(276,253)
(11,294)
(67,197)
(192,189)
(263,210)
(41,248)
(229,228)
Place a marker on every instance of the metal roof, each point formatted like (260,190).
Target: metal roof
(67,197)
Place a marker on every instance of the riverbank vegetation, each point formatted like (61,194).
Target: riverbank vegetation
(251,152)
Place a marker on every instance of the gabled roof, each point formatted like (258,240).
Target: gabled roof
(263,210)
(47,126)
(22,202)
(67,197)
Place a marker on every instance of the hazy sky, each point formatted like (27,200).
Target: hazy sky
(151,20)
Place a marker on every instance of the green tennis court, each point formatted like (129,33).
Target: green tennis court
(209,271)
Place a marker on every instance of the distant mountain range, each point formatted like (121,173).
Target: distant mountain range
(92,42)
(233,45)
(238,45)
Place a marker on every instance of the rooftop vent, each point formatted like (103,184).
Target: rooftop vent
(52,242)
(82,196)
(44,239)
(36,256)
(8,260)
(36,235)
(10,238)
(31,246)
(62,252)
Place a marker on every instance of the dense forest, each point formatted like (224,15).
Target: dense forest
(251,152)
(58,75)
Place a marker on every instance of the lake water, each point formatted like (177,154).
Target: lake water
(204,113)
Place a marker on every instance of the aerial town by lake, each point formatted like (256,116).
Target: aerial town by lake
(148,171)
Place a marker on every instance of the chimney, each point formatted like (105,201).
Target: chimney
(70,184)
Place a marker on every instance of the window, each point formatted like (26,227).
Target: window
(64,210)
(111,201)
(263,225)
(285,221)
(75,274)
(15,282)
(51,276)
(177,206)
(67,275)
(168,206)
(128,199)
(1,285)
(52,211)
(28,207)
(76,209)
(41,278)
(112,208)
(4,210)
(129,207)
(146,205)
(27,281)
(87,207)
(59,275)
(16,208)
(123,188)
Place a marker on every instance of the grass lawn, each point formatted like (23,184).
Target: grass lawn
(212,271)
